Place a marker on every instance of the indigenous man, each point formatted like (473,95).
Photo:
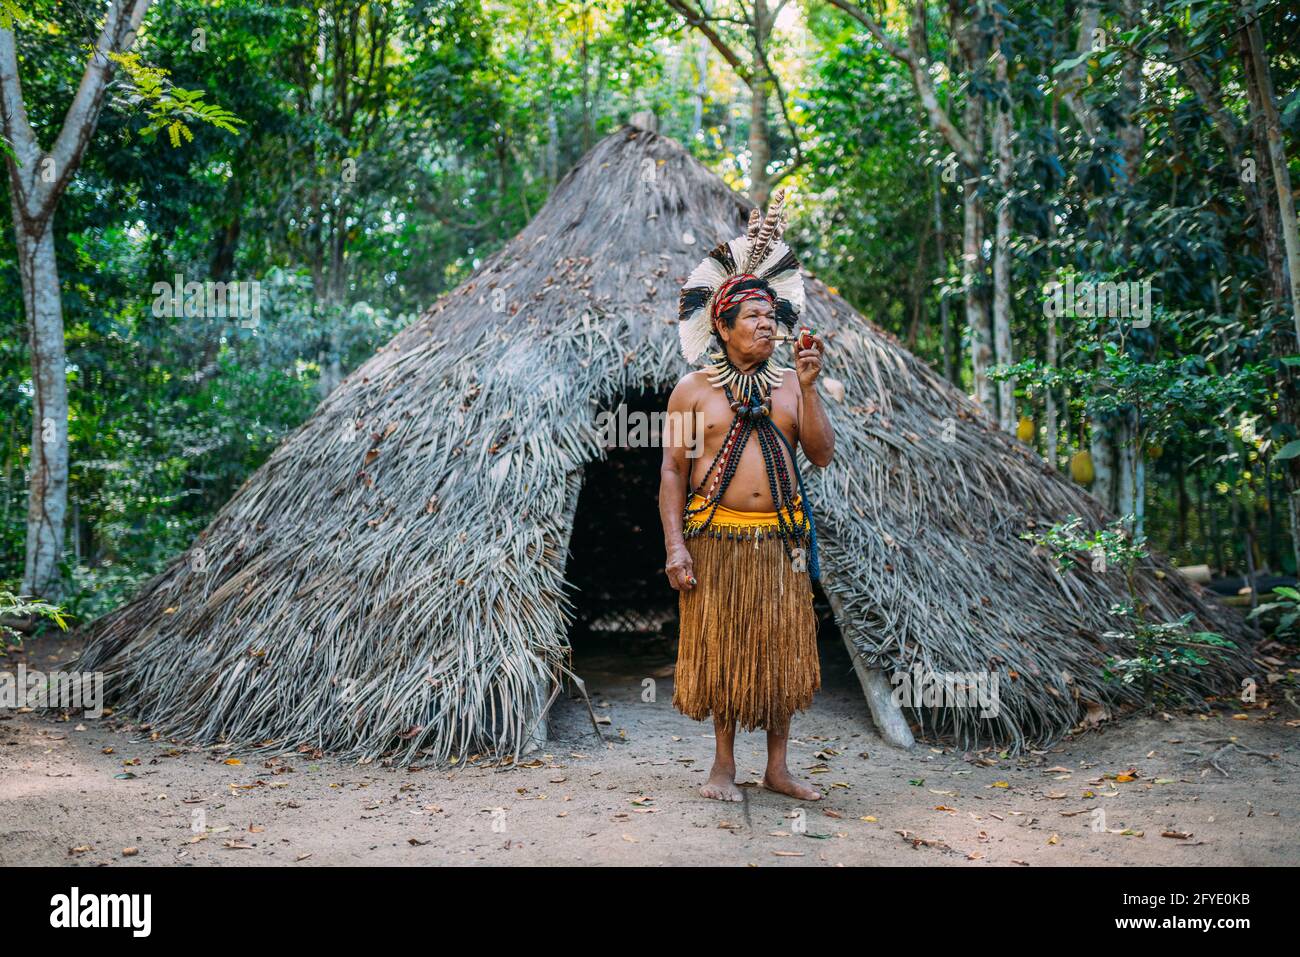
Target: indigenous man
(738,530)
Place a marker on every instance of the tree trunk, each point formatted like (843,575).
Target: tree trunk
(1052,436)
(701,87)
(1216,540)
(1259,88)
(1053,426)
(1139,486)
(973,272)
(587,127)
(941,268)
(1131,134)
(972,257)
(1263,83)
(1125,468)
(760,84)
(1184,507)
(37,180)
(552,146)
(48,476)
(1002,247)
(1102,450)
(760,154)
(1072,81)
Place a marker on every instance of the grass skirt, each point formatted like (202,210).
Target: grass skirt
(748,647)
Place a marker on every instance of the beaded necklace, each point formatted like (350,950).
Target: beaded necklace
(749,396)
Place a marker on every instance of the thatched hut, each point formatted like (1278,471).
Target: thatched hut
(393,579)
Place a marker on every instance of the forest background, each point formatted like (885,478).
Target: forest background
(969,176)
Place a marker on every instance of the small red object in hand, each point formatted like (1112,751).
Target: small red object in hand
(806,338)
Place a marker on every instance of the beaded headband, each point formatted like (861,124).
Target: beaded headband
(725,298)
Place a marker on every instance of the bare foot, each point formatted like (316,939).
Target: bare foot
(780,781)
(721,785)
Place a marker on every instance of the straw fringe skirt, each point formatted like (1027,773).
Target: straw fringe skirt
(748,648)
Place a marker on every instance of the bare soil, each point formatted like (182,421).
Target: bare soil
(110,793)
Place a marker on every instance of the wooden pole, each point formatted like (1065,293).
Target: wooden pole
(885,712)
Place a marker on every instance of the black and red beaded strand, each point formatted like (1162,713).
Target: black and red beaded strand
(753,413)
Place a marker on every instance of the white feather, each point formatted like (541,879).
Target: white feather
(709,273)
(774,254)
(694,334)
(790,287)
(739,250)
(788,284)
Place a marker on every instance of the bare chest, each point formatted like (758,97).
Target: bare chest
(714,415)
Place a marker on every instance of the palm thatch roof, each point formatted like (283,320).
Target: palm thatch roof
(392,580)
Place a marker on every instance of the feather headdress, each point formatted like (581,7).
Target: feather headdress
(759,252)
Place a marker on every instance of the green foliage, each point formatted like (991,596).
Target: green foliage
(1160,648)
(1286,611)
(1154,648)
(1113,371)
(12,13)
(384,150)
(1114,546)
(165,105)
(16,606)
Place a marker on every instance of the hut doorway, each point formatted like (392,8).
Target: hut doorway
(625,615)
(622,603)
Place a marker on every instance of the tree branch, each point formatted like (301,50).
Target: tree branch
(120,25)
(785,113)
(700,21)
(890,46)
(1087,117)
(914,57)
(1224,121)
(13,112)
(787,170)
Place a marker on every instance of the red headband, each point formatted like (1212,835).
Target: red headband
(725,298)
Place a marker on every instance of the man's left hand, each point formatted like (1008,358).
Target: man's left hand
(808,364)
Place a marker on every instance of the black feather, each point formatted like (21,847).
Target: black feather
(783,264)
(722,253)
(692,299)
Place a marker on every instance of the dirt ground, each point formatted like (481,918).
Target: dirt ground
(106,793)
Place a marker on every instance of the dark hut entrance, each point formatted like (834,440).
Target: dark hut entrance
(622,603)
(625,615)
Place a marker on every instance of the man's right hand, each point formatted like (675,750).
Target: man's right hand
(680,569)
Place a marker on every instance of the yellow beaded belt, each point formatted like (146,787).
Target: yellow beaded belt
(731,523)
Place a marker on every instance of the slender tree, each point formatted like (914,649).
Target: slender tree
(968,149)
(37,181)
(745,43)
